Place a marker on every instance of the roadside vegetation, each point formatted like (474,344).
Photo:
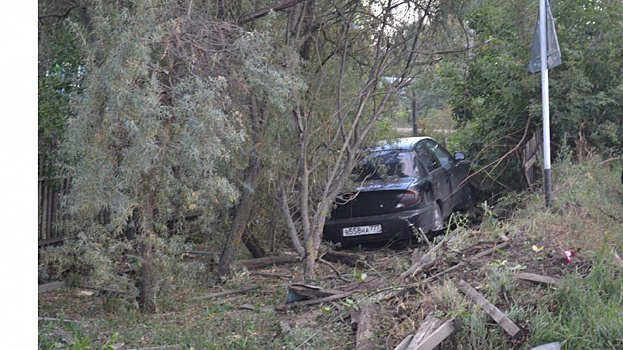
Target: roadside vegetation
(583,312)
(198,134)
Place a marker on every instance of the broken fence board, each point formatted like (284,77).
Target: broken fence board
(404,343)
(227,292)
(48,287)
(537,278)
(439,335)
(430,324)
(268,261)
(493,311)
(365,319)
(550,346)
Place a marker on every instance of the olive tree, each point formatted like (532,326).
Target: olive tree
(146,146)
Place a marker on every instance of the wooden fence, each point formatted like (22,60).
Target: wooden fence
(531,152)
(50,191)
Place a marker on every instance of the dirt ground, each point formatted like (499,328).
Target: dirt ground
(376,278)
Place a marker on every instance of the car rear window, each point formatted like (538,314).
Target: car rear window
(385,164)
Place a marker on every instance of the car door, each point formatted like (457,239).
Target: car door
(440,182)
(455,171)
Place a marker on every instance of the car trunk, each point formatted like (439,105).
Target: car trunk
(374,198)
(367,204)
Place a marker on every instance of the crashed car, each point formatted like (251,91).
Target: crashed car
(402,188)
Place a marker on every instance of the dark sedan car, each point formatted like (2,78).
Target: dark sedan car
(402,186)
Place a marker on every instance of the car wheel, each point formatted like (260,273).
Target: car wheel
(437,218)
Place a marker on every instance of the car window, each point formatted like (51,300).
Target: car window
(387,163)
(442,155)
(427,158)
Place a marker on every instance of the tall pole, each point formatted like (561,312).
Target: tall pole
(547,165)
(414,111)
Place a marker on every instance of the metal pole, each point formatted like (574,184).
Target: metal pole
(414,111)
(545,99)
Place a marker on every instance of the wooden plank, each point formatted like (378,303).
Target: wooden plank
(404,343)
(537,278)
(439,335)
(430,324)
(227,292)
(493,311)
(529,163)
(550,346)
(268,261)
(312,301)
(365,321)
(48,287)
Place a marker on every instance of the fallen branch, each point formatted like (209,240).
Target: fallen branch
(493,311)
(337,272)
(227,292)
(312,301)
(490,250)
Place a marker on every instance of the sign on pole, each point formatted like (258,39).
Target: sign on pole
(548,44)
(553,49)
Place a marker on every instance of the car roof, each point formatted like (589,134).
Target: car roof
(405,143)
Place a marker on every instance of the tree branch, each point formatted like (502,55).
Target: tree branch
(263,12)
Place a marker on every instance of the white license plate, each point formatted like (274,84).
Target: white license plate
(361,230)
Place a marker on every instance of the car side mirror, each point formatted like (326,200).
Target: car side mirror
(459,156)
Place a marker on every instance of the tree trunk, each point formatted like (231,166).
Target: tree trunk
(253,245)
(243,212)
(147,295)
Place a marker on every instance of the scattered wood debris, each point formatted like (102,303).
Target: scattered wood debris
(364,321)
(227,292)
(493,311)
(431,341)
(537,278)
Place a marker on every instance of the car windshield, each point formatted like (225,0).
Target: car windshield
(385,164)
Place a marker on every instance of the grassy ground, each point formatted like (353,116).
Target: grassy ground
(584,312)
